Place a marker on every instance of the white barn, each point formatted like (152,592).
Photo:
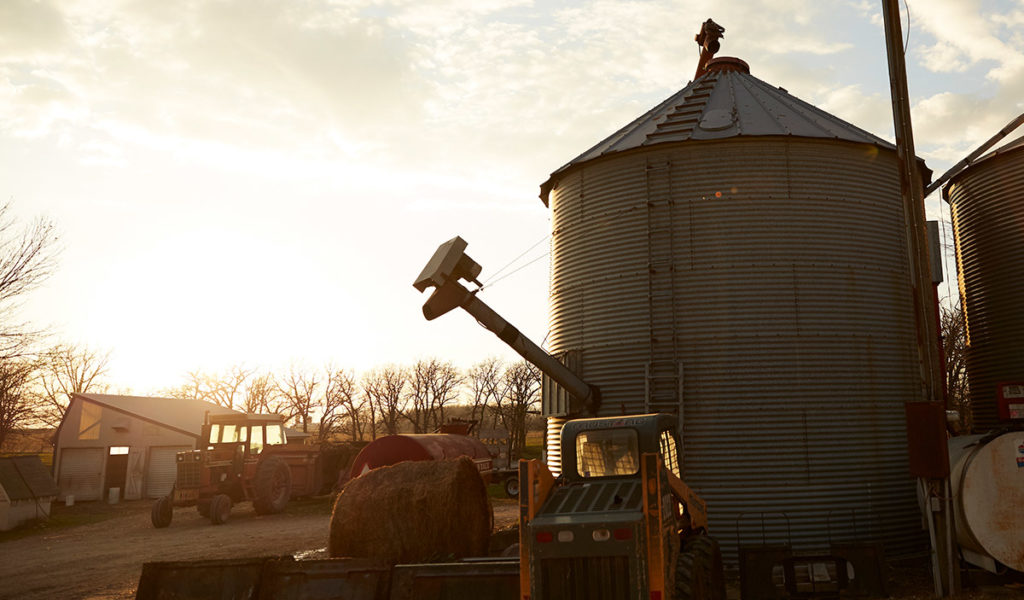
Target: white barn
(124,444)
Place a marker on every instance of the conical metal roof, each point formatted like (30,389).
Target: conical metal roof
(727,101)
(1001,151)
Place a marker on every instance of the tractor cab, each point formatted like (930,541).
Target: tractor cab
(249,432)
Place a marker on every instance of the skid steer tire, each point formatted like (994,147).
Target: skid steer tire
(699,571)
(162,513)
(220,509)
(272,486)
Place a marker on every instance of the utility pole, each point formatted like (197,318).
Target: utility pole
(936,489)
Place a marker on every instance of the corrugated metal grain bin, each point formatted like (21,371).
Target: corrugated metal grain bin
(738,257)
(987,204)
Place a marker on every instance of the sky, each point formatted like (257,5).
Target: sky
(257,183)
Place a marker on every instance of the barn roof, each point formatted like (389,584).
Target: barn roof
(183,415)
(25,478)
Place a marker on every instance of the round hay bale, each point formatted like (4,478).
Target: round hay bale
(417,511)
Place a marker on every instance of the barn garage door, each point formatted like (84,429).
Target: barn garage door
(81,471)
(162,470)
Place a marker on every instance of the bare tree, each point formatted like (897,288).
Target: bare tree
(384,388)
(230,386)
(26,259)
(417,399)
(331,412)
(954,348)
(353,414)
(17,406)
(432,386)
(520,384)
(64,370)
(484,380)
(298,388)
(224,389)
(239,388)
(192,390)
(444,390)
(261,395)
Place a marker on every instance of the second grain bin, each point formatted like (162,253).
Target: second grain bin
(738,257)
(987,204)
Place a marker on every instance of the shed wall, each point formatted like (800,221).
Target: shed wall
(162,470)
(15,513)
(88,432)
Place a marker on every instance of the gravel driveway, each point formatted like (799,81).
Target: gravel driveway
(104,560)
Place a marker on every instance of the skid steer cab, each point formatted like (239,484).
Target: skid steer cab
(242,457)
(618,522)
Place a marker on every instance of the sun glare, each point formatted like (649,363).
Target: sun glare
(213,299)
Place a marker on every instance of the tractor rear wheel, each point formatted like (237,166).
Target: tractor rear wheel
(163,511)
(272,486)
(699,571)
(220,508)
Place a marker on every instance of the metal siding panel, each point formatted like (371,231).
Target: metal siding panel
(794,326)
(987,205)
(163,470)
(81,473)
(552,444)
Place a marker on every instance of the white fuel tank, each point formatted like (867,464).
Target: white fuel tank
(987,476)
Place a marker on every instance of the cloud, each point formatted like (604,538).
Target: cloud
(961,27)
(258,74)
(505,90)
(30,29)
(869,111)
(942,57)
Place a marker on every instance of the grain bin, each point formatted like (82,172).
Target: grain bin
(986,201)
(738,257)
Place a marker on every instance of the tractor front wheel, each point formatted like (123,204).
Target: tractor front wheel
(699,571)
(163,511)
(220,508)
(203,507)
(272,486)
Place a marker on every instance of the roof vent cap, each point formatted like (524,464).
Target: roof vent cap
(728,63)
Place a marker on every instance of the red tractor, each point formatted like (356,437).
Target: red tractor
(244,457)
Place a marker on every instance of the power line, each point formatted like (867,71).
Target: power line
(509,274)
(494,278)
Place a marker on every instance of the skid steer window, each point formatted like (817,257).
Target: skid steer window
(669,455)
(607,452)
